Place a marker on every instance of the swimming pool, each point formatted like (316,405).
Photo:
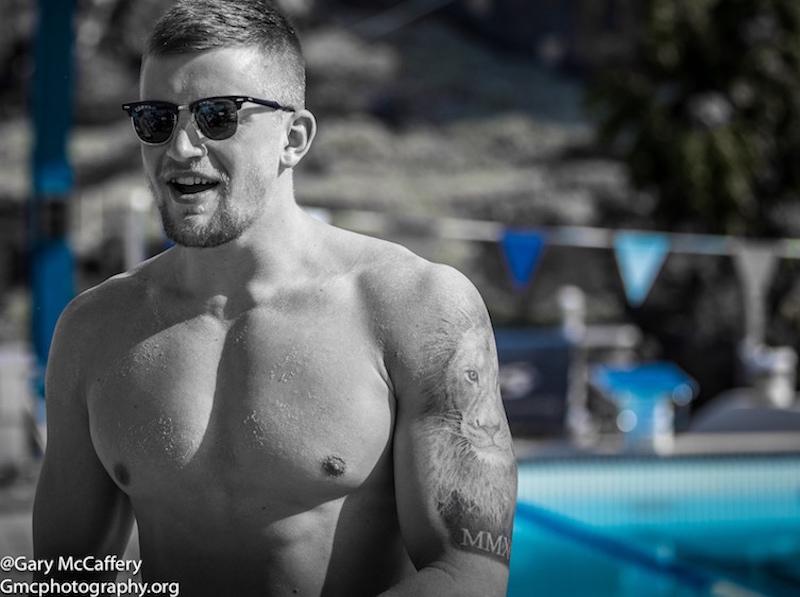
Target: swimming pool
(677,527)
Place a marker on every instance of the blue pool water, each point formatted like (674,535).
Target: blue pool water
(678,527)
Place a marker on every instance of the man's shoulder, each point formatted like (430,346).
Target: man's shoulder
(91,325)
(410,296)
(424,313)
(397,278)
(112,299)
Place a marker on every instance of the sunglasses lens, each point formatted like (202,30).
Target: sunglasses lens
(217,118)
(153,124)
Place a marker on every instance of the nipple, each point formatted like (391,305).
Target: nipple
(333,466)
(122,474)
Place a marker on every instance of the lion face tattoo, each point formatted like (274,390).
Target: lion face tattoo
(471,463)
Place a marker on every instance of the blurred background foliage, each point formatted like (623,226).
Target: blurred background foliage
(678,115)
(707,115)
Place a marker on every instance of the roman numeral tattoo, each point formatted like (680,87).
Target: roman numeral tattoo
(485,542)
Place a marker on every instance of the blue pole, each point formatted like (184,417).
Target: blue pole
(51,259)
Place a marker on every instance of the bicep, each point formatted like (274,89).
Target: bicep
(78,509)
(454,461)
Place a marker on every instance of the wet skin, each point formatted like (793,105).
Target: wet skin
(243,439)
(286,408)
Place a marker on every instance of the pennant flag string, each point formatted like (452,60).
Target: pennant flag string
(570,236)
(640,254)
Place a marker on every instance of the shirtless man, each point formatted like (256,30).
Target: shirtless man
(285,407)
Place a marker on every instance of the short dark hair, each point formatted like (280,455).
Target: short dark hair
(191,26)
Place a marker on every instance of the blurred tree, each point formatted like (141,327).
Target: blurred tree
(708,115)
(16,28)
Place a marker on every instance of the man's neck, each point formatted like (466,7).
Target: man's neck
(271,253)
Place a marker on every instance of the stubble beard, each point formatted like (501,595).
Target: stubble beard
(223,227)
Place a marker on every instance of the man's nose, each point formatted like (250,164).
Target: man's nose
(186,142)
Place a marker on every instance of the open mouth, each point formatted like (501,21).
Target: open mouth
(188,185)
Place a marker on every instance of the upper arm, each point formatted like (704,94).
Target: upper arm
(78,509)
(455,470)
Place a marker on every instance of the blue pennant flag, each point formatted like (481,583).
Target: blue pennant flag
(522,250)
(640,256)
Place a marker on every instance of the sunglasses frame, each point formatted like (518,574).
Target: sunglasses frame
(175,109)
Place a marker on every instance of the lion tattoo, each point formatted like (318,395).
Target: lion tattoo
(471,462)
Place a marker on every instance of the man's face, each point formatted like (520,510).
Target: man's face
(211,192)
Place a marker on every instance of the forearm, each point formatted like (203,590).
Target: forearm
(69,527)
(79,562)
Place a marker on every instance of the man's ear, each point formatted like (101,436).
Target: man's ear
(300,135)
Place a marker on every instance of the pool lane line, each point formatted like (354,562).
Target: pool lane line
(631,553)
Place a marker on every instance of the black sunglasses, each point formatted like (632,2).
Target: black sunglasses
(215,117)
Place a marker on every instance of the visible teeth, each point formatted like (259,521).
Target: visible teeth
(189,180)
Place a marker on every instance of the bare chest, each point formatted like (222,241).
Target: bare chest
(256,406)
